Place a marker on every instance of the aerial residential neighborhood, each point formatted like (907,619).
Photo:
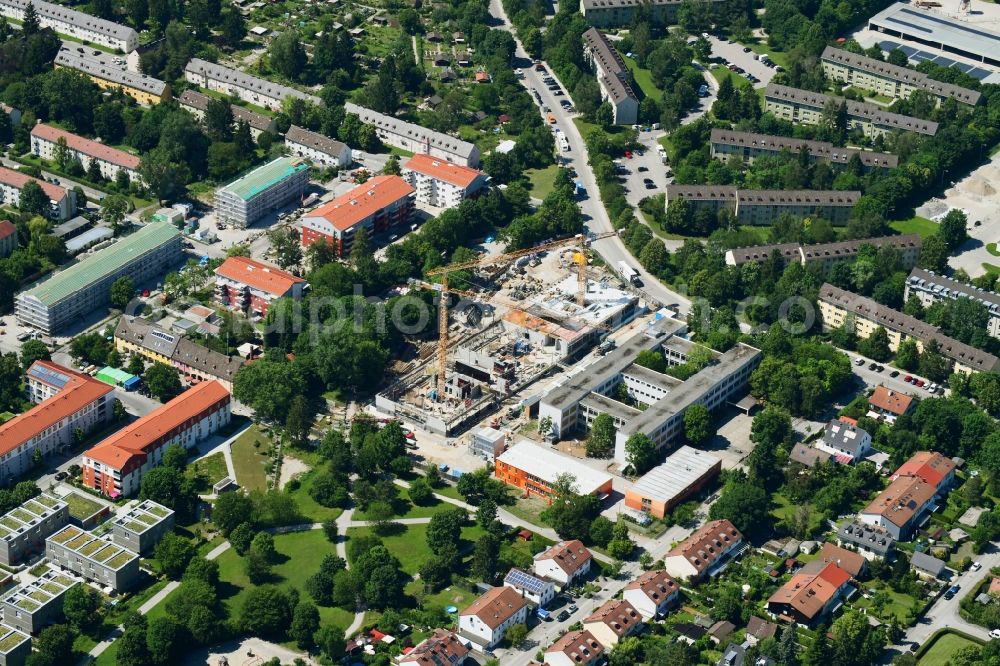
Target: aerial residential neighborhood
(598,333)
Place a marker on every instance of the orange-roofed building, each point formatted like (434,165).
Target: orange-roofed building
(887,402)
(116,465)
(62,202)
(652,594)
(377,205)
(575,648)
(487,620)
(443,648)
(441,183)
(809,596)
(8,238)
(251,286)
(900,507)
(704,552)
(45,140)
(65,401)
(934,468)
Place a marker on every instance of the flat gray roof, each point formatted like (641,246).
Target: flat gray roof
(652,376)
(579,386)
(693,389)
(609,406)
(933,28)
(681,469)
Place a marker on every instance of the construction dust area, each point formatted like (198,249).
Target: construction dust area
(526,324)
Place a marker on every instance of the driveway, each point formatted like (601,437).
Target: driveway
(873,378)
(596,219)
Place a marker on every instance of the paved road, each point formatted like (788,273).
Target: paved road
(873,378)
(595,216)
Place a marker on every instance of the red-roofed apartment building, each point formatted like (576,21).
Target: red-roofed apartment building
(443,648)
(45,142)
(702,553)
(62,203)
(899,509)
(564,562)
(440,183)
(810,594)
(8,238)
(249,285)
(116,465)
(575,648)
(65,400)
(489,617)
(376,205)
(652,594)
(931,466)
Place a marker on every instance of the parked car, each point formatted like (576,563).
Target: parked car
(563,616)
(859,361)
(879,368)
(647,180)
(919,383)
(894,374)
(872,365)
(61,475)
(908,378)
(573,608)
(642,169)
(976,566)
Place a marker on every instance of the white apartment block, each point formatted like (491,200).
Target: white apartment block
(78,25)
(252,89)
(440,183)
(804,106)
(317,148)
(612,77)
(487,620)
(415,138)
(62,202)
(931,288)
(65,401)
(46,141)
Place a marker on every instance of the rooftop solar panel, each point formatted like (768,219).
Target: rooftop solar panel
(49,376)
(525,581)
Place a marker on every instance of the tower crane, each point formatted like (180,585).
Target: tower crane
(485,260)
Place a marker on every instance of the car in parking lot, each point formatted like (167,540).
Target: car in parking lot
(859,361)
(746,49)
(573,608)
(872,365)
(919,383)
(563,615)
(995,633)
(976,566)
(61,475)
(952,591)
(642,169)
(650,186)
(908,378)
(647,180)
(894,374)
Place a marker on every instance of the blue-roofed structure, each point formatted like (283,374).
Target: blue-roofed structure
(532,588)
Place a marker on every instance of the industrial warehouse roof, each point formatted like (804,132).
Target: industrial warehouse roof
(547,465)
(67,282)
(264,177)
(682,468)
(86,146)
(870,112)
(933,28)
(101,70)
(903,74)
(819,149)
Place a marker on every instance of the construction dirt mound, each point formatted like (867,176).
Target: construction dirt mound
(978,187)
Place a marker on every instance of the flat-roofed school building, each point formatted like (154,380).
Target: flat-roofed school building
(72,294)
(937,31)
(681,475)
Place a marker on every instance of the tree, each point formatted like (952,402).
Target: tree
(601,442)
(132,647)
(285,247)
(298,422)
(233,27)
(162,381)
(697,424)
(173,490)
(163,175)
(621,544)
(266,611)
(305,624)
(218,119)
(876,345)
(114,207)
(330,530)
(445,529)
(55,644)
(30,24)
(787,650)
(175,457)
(485,558)
(517,634)
(232,509)
(640,454)
(162,637)
(331,641)
(174,553)
(744,504)
(907,355)
(934,254)
(34,350)
(953,228)
(287,57)
(33,199)
(420,491)
(932,363)
(80,606)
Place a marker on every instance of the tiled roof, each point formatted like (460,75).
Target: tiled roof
(496,606)
(432,138)
(78,391)
(707,544)
(903,499)
(580,647)
(618,615)
(891,401)
(616,73)
(851,562)
(930,466)
(314,140)
(18,180)
(86,146)
(363,201)
(117,75)
(808,593)
(570,556)
(819,149)
(136,440)
(48,10)
(7,228)
(656,585)
(870,112)
(258,275)
(454,174)
(216,72)
(196,100)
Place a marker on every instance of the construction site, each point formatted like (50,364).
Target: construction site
(511,320)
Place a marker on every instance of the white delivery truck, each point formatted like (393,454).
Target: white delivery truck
(629,274)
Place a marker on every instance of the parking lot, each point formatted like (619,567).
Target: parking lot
(741,56)
(874,377)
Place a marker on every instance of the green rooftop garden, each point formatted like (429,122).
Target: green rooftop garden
(11,641)
(22,515)
(47,501)
(91,547)
(52,588)
(120,560)
(81,507)
(41,596)
(105,553)
(11,525)
(147,519)
(65,581)
(27,604)
(64,536)
(157,510)
(135,526)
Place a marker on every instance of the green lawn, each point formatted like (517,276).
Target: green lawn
(915,225)
(990,247)
(407,509)
(309,507)
(529,510)
(208,471)
(449,490)
(784,509)
(301,553)
(991,268)
(542,181)
(778,57)
(80,506)
(944,646)
(643,79)
(250,462)
(409,543)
